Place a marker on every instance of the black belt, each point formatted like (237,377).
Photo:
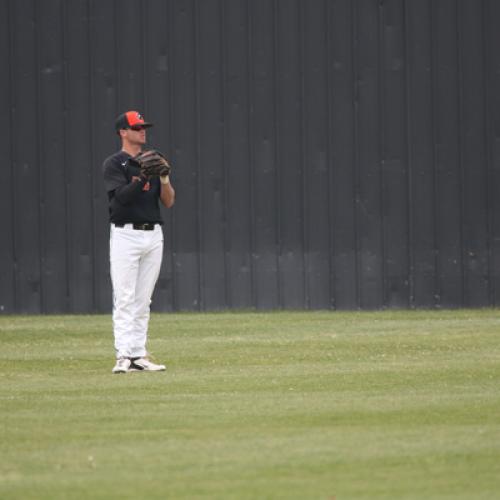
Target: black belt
(145,226)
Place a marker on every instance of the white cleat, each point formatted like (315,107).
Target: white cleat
(143,364)
(122,365)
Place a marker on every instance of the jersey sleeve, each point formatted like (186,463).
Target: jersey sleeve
(114,175)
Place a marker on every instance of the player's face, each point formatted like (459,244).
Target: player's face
(137,135)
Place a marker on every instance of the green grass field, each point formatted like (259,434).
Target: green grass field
(299,405)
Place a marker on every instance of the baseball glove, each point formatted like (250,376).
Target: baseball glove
(152,163)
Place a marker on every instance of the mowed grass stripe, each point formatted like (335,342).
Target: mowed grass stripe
(393,404)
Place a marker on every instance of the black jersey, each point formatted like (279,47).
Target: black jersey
(129,201)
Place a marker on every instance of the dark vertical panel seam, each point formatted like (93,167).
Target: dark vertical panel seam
(116,58)
(228,280)
(356,183)
(303,156)
(13,162)
(435,160)
(489,196)
(147,70)
(409,158)
(199,179)
(327,16)
(172,140)
(225,179)
(66,165)
(39,153)
(434,57)
(251,155)
(465,297)
(92,152)
(277,162)
(382,147)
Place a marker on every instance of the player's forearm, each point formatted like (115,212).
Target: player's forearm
(129,192)
(167,193)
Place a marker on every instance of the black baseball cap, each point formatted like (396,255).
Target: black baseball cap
(131,119)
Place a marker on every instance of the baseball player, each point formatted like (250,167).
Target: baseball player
(136,181)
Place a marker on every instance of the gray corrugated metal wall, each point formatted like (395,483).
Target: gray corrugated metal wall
(328,153)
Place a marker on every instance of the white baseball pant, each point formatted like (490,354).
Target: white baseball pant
(135,261)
